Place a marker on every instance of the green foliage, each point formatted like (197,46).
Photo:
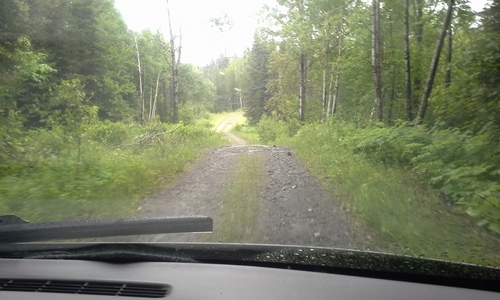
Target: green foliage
(10,135)
(270,130)
(51,177)
(390,209)
(66,107)
(463,166)
(257,95)
(195,90)
(246,132)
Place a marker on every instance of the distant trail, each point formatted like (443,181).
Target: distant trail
(226,125)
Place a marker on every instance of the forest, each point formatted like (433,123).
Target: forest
(88,107)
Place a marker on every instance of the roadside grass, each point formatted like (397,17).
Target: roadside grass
(246,132)
(390,211)
(105,177)
(239,220)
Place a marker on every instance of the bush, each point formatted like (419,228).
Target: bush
(390,209)
(461,165)
(103,172)
(270,130)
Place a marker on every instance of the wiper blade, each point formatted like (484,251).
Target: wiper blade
(16,230)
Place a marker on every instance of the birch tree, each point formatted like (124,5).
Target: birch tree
(175,54)
(433,67)
(376,59)
(409,112)
(141,90)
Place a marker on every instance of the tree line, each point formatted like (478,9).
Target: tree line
(48,48)
(418,61)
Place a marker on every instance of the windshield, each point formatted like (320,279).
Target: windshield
(367,125)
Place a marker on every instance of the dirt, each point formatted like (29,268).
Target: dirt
(294,208)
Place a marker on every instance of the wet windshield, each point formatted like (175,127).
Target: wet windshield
(368,125)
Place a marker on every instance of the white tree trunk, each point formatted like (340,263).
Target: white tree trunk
(141,93)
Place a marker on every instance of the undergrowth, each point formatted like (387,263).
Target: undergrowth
(102,172)
(247,132)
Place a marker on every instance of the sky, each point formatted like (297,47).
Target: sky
(201,42)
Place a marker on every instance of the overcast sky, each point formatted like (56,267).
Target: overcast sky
(200,42)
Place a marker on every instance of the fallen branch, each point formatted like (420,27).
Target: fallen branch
(147,136)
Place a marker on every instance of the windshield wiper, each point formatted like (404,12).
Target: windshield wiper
(16,230)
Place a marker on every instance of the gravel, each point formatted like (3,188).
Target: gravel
(294,208)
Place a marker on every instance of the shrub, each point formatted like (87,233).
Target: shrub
(461,165)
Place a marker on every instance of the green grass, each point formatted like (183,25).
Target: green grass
(239,220)
(107,178)
(246,132)
(216,119)
(390,210)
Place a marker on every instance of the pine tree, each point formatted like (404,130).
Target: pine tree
(257,94)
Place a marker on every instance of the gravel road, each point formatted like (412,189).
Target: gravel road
(294,208)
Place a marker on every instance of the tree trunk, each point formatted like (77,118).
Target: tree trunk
(391,97)
(434,63)
(376,60)
(141,93)
(330,92)
(419,35)
(409,106)
(153,110)
(303,83)
(175,72)
(393,70)
(150,115)
(448,57)
(335,97)
(324,88)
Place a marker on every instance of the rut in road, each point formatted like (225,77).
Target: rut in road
(293,208)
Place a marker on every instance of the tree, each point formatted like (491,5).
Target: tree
(432,70)
(258,77)
(195,90)
(88,40)
(141,89)
(377,59)
(175,54)
(297,33)
(409,109)
(154,70)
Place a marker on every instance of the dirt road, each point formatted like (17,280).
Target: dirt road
(226,125)
(292,207)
